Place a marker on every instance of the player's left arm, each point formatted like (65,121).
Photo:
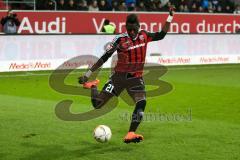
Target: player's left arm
(109,52)
(160,35)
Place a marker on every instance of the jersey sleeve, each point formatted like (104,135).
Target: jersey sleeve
(155,36)
(110,49)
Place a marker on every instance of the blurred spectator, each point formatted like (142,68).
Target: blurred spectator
(158,5)
(130,2)
(109,2)
(209,6)
(180,4)
(164,2)
(82,5)
(10,23)
(50,5)
(227,6)
(71,5)
(61,5)
(219,9)
(132,7)
(228,9)
(103,6)
(201,9)
(149,5)
(115,5)
(194,7)
(108,28)
(215,4)
(186,9)
(94,6)
(141,7)
(237,10)
(166,7)
(122,6)
(205,4)
(198,2)
(181,8)
(236,2)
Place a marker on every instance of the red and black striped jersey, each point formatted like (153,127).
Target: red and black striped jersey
(131,53)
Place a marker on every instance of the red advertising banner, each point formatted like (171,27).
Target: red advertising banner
(92,22)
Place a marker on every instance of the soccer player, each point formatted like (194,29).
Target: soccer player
(131,52)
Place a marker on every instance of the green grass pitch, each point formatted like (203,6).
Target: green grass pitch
(30,130)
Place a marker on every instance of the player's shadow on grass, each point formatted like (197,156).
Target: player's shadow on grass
(51,152)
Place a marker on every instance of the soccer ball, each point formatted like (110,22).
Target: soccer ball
(102,133)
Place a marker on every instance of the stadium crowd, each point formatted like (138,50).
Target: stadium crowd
(207,6)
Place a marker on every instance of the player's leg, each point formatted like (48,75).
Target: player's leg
(100,99)
(138,114)
(137,92)
(137,117)
(109,90)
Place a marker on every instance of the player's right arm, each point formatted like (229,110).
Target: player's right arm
(160,35)
(108,53)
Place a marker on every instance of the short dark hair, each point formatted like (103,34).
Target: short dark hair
(132,19)
(106,22)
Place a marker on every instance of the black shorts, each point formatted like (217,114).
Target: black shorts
(120,81)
